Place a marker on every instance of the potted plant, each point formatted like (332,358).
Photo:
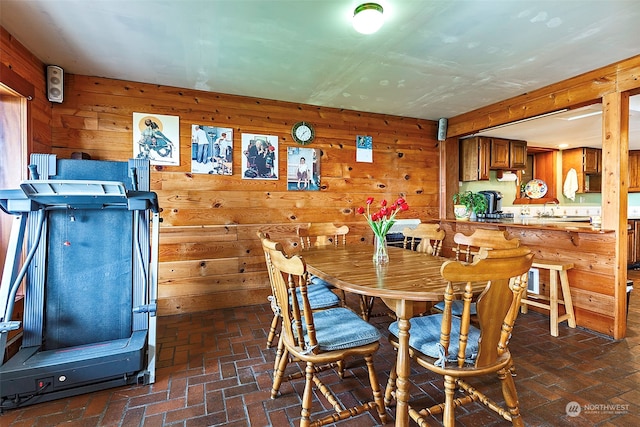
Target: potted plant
(467,204)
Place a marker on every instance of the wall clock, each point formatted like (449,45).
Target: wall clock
(302,133)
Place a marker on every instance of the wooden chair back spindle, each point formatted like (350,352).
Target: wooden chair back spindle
(429,236)
(506,272)
(469,246)
(322,234)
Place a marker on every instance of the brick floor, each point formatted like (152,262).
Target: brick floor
(214,370)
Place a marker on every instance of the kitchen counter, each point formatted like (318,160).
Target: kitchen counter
(591,251)
(542,223)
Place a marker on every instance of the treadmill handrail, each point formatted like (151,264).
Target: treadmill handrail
(85,194)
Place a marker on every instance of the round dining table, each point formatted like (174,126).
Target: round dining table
(407,278)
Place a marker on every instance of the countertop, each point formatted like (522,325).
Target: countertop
(542,223)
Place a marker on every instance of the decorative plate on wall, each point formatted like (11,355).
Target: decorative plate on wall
(535,189)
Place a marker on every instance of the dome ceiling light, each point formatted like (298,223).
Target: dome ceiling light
(368,18)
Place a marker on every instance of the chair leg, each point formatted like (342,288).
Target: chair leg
(307,396)
(510,395)
(448,416)
(365,306)
(272,330)
(343,298)
(391,386)
(279,352)
(278,375)
(340,368)
(375,387)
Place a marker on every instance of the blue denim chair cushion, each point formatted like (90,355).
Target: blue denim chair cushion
(424,336)
(456,307)
(340,328)
(319,297)
(315,280)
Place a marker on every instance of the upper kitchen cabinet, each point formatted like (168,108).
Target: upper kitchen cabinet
(508,154)
(480,154)
(587,163)
(634,171)
(474,159)
(592,161)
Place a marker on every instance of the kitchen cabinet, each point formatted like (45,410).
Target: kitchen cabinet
(474,159)
(479,155)
(508,154)
(592,161)
(634,172)
(633,242)
(587,163)
(636,232)
(499,153)
(518,154)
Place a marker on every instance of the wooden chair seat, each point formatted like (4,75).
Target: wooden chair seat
(450,346)
(425,338)
(318,338)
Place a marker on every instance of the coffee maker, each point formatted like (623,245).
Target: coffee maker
(494,201)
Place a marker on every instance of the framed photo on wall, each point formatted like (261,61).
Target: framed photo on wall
(211,150)
(303,169)
(156,138)
(259,156)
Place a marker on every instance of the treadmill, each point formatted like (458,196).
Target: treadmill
(84,247)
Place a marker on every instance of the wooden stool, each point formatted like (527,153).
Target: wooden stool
(555,268)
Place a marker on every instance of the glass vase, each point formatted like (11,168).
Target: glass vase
(380,252)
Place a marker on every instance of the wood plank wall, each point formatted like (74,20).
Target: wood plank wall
(210,256)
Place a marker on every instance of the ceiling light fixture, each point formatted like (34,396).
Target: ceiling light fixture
(368,18)
(582,116)
(520,121)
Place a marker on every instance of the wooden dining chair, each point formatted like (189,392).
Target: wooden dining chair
(320,337)
(319,296)
(468,246)
(450,346)
(317,234)
(322,234)
(424,238)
